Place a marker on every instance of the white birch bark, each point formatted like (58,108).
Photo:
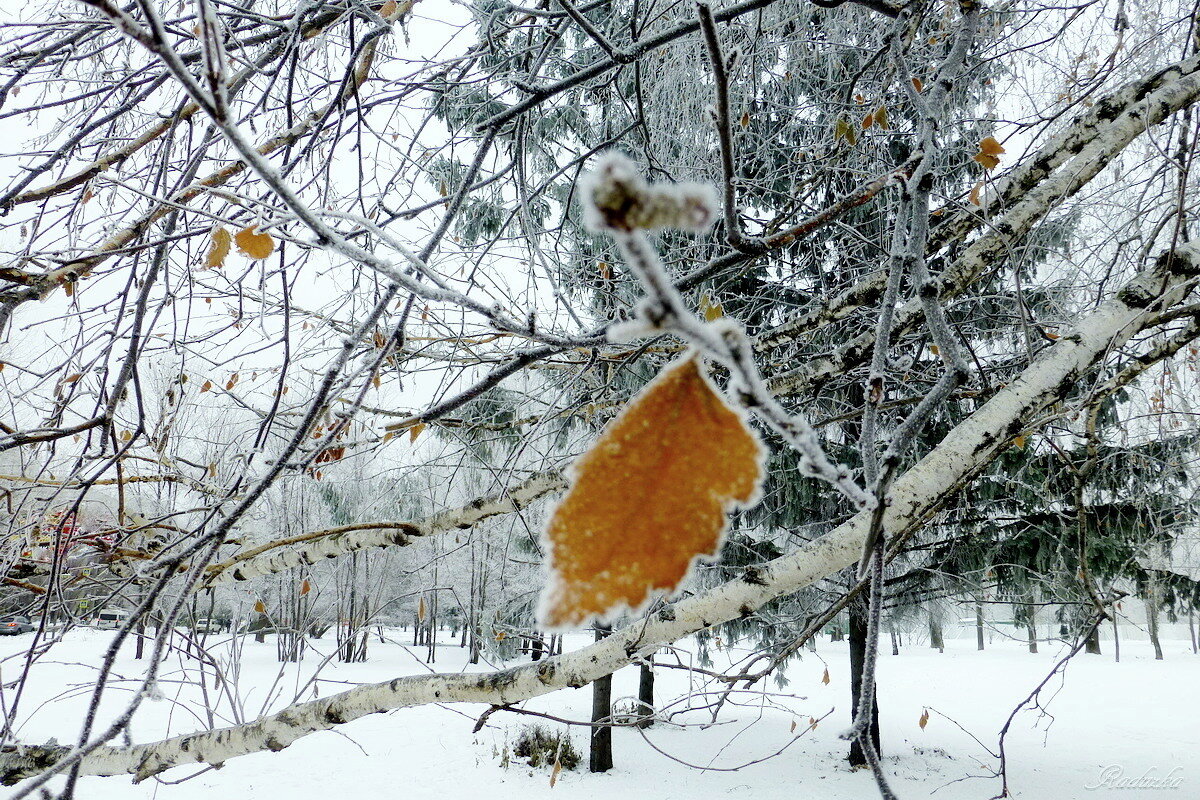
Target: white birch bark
(913,499)
(267,560)
(1055,174)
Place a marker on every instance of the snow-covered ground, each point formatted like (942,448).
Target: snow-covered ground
(1108,723)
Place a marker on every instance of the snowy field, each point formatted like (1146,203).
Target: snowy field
(1129,719)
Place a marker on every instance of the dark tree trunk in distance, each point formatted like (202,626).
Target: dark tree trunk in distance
(646,694)
(858,649)
(1093,642)
(600,752)
(978,622)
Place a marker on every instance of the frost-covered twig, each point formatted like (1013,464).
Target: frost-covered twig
(619,202)
(914,497)
(712,41)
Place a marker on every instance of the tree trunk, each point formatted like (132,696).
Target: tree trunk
(1031,626)
(1192,629)
(600,753)
(895,641)
(858,649)
(646,693)
(1152,616)
(1116,639)
(1093,642)
(978,622)
(935,630)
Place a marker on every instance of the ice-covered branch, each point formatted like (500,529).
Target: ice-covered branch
(913,499)
(274,557)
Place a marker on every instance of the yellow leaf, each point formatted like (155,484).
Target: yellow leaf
(989,149)
(554,772)
(988,162)
(388,8)
(825,677)
(421,609)
(990,146)
(933,348)
(745,119)
(793,730)
(841,129)
(924,720)
(1019,442)
(975,193)
(881,117)
(126,436)
(649,498)
(712,309)
(259,607)
(415,431)
(218,249)
(212,470)
(255,245)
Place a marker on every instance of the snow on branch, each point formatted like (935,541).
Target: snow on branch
(1126,113)
(1177,88)
(912,500)
(278,556)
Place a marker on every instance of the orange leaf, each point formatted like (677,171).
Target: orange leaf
(205,387)
(990,146)
(218,249)
(918,85)
(255,245)
(305,587)
(924,720)
(975,190)
(259,607)
(988,162)
(415,431)
(989,149)
(649,498)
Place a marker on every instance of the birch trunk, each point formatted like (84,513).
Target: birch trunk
(915,497)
